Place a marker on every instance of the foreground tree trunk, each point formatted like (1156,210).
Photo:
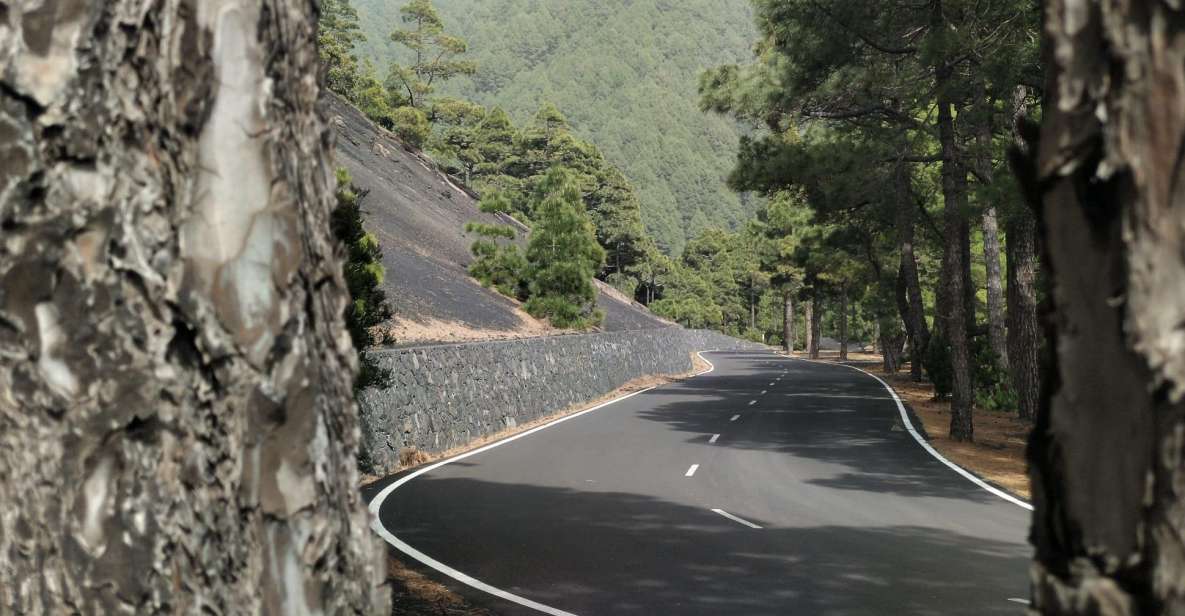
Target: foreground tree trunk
(177,429)
(1107,455)
(788,332)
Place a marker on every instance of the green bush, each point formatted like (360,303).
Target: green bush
(363,271)
(938,366)
(411,125)
(993,384)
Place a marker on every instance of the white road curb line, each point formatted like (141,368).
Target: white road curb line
(376,505)
(921,441)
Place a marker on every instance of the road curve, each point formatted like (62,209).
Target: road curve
(711,497)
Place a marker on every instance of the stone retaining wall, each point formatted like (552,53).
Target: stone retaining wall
(446,396)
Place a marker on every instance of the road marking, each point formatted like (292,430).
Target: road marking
(714,437)
(752,402)
(691,471)
(1020,601)
(735,519)
(376,505)
(735,417)
(930,449)
(771,384)
(764,391)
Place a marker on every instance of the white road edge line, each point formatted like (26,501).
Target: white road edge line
(1020,601)
(376,505)
(714,437)
(735,417)
(691,471)
(934,452)
(735,519)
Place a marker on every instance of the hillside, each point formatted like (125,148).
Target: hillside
(418,215)
(624,73)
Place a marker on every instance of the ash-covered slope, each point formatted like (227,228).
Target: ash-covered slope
(418,215)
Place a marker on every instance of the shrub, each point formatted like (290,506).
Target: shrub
(993,384)
(938,365)
(363,272)
(411,125)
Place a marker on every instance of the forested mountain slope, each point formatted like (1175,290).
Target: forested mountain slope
(418,216)
(624,73)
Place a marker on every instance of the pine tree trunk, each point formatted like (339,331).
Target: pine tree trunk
(997,336)
(909,293)
(814,314)
(1024,329)
(955,315)
(788,322)
(1107,458)
(843,322)
(177,427)
(997,329)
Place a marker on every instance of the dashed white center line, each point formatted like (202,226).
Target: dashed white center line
(735,417)
(1020,601)
(771,384)
(752,402)
(735,519)
(691,471)
(714,437)
(764,391)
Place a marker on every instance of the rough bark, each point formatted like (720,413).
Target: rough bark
(843,321)
(997,321)
(177,427)
(997,329)
(909,287)
(788,332)
(954,192)
(1107,456)
(1024,329)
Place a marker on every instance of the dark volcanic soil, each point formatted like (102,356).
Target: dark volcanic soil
(419,215)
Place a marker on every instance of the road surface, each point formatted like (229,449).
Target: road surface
(767,486)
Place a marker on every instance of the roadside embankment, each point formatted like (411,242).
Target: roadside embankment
(452,396)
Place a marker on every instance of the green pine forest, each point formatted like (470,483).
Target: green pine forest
(623,73)
(844,166)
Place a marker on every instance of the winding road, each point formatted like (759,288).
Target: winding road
(766,486)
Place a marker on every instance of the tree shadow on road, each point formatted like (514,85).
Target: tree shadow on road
(817,412)
(620,553)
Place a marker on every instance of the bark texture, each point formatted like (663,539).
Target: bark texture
(997,320)
(1107,456)
(1024,328)
(177,427)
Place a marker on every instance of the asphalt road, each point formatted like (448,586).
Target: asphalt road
(640,508)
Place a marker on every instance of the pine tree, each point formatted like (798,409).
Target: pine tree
(563,255)
(363,271)
(435,54)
